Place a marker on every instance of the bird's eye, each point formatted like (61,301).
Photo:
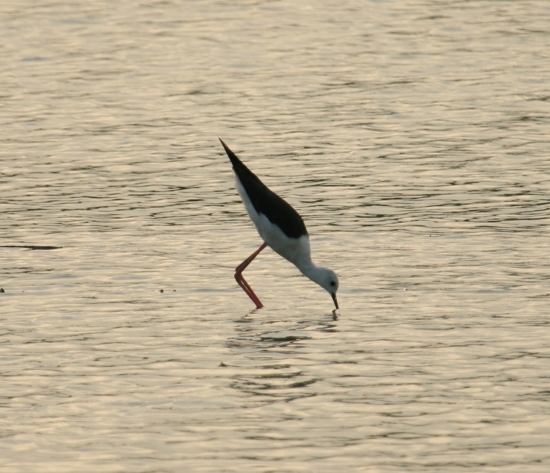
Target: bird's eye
(332,283)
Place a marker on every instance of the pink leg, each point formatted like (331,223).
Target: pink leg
(242,282)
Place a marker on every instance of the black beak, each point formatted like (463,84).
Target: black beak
(333,294)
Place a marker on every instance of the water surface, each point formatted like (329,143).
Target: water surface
(413,138)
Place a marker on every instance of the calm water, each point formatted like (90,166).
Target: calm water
(413,137)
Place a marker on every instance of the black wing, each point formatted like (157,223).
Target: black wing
(265,201)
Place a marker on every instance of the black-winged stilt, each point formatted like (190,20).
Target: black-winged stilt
(280,226)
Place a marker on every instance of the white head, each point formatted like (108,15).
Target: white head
(327,279)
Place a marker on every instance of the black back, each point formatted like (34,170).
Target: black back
(265,201)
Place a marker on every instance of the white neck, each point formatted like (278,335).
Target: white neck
(313,272)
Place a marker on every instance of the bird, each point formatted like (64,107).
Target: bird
(280,227)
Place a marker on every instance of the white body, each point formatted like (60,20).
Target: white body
(295,250)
